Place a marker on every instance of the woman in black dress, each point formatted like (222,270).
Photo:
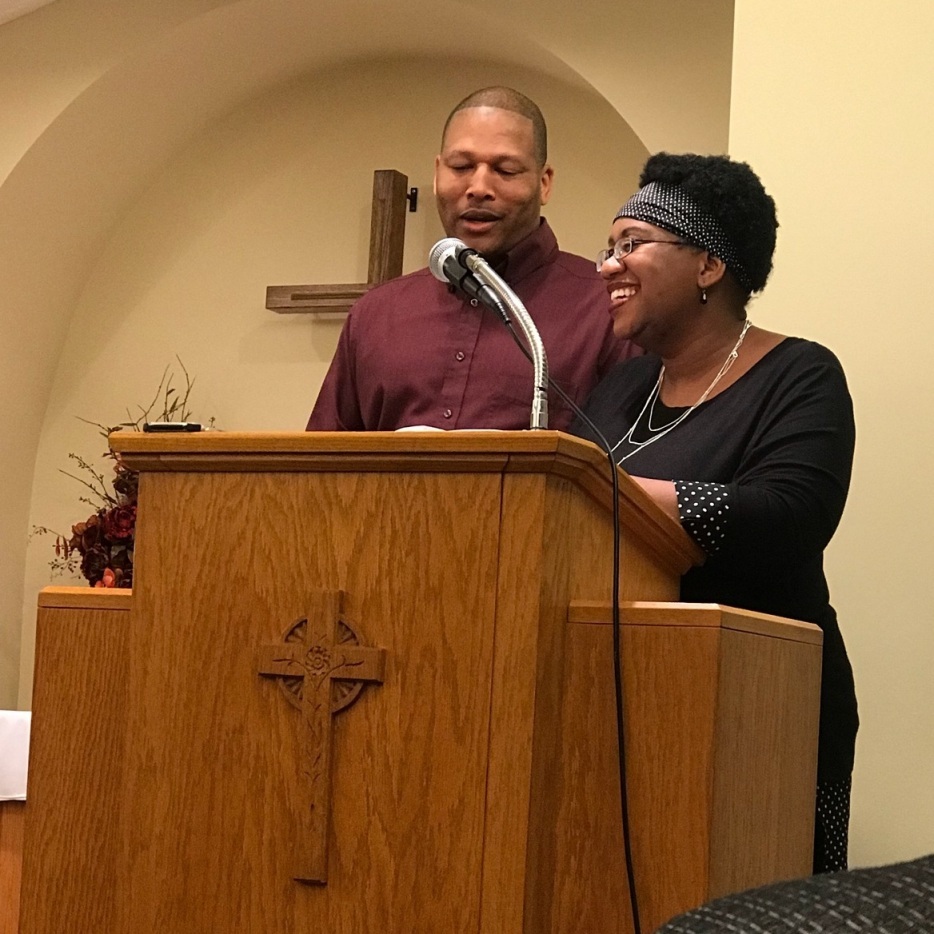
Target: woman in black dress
(743,435)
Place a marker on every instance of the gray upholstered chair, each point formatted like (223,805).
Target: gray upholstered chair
(885,900)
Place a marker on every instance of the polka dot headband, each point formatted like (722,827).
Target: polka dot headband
(668,207)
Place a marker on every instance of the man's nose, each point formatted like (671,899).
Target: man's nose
(481,183)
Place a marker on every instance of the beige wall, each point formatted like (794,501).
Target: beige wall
(832,105)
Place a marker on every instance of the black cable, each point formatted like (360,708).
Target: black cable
(617,640)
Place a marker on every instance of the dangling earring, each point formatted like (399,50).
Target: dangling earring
(703,296)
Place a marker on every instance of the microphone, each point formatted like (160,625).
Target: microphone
(451,260)
(444,266)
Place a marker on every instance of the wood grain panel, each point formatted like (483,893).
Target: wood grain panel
(722,710)
(670,696)
(671,684)
(559,536)
(227,563)
(539,452)
(523,707)
(474,789)
(766,770)
(71,850)
(589,883)
(326,299)
(511,710)
(644,570)
(387,225)
(554,544)
(12,814)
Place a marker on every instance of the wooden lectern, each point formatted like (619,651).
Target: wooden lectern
(364,684)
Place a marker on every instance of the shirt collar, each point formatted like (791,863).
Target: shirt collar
(529,254)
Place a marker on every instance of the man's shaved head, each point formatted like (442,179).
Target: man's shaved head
(508,99)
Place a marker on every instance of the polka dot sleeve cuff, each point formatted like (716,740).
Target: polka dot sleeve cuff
(704,511)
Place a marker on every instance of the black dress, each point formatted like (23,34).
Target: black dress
(761,471)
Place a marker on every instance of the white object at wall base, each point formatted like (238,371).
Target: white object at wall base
(14,753)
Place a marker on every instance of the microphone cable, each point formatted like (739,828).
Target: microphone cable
(617,631)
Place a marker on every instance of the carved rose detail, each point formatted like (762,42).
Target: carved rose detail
(317,659)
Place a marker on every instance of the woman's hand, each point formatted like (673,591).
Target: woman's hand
(663,493)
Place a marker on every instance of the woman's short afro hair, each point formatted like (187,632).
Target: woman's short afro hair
(733,194)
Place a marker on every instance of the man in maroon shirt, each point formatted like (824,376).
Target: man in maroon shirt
(414,351)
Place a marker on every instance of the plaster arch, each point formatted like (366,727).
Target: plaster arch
(163,80)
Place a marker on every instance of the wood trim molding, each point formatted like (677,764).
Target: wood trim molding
(710,615)
(97,598)
(301,299)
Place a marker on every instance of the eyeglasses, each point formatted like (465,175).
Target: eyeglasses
(625,246)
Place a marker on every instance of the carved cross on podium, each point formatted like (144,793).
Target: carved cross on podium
(322,668)
(387,239)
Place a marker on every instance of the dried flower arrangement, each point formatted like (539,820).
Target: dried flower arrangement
(101,546)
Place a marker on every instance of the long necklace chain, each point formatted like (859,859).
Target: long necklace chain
(649,405)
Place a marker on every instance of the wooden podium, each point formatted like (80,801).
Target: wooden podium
(364,684)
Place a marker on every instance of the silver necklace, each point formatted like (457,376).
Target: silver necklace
(663,430)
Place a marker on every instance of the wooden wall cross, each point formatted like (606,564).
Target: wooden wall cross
(322,668)
(387,239)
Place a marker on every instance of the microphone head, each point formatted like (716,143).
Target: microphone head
(463,252)
(445,249)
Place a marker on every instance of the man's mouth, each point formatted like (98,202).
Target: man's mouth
(479,217)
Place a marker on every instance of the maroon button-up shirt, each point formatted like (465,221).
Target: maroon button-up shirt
(415,352)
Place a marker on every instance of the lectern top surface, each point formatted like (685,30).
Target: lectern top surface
(503,452)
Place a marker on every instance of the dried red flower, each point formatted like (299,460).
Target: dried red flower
(119,523)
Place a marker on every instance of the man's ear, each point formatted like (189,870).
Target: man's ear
(548,174)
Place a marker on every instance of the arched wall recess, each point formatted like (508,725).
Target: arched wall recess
(67,193)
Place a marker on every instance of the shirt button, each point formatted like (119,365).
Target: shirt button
(474,303)
(447,413)
(459,355)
